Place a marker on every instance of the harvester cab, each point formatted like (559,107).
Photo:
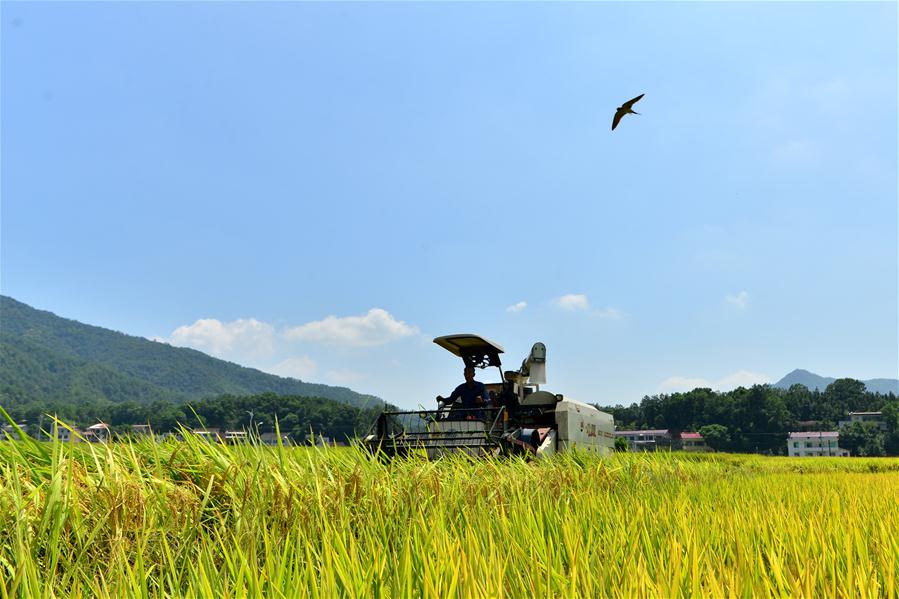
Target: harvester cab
(517,418)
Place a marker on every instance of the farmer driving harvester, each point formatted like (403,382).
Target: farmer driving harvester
(472,393)
(513,416)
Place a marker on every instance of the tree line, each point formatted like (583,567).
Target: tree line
(760,418)
(298,417)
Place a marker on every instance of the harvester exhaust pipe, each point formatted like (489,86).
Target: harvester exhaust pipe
(537,364)
(534,366)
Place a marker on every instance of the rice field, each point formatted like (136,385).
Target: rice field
(202,520)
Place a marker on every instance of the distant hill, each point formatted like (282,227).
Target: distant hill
(813,381)
(46,358)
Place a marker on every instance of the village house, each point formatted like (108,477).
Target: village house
(209,434)
(272,438)
(646,440)
(141,430)
(233,437)
(815,444)
(96,433)
(64,435)
(8,431)
(693,442)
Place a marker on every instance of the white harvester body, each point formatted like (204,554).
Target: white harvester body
(582,425)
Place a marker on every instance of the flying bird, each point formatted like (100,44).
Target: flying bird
(624,109)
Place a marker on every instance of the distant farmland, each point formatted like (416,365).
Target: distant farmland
(207,520)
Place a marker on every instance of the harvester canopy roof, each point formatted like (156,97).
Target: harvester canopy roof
(473,349)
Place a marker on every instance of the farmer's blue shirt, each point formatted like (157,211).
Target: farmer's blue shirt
(468,394)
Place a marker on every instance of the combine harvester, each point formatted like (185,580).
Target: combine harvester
(518,419)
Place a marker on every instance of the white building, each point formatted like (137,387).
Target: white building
(232,437)
(142,430)
(8,432)
(815,444)
(646,440)
(272,439)
(63,434)
(97,433)
(213,435)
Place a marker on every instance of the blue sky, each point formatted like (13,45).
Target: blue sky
(318,190)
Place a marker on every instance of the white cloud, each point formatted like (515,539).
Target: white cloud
(377,327)
(610,313)
(246,338)
(299,367)
(741,300)
(740,378)
(573,301)
(344,376)
(517,307)
(283,350)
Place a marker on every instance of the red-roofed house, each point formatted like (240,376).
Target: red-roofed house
(693,442)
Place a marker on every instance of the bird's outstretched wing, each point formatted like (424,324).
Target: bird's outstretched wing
(623,110)
(630,103)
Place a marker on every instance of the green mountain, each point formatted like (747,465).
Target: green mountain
(48,359)
(813,381)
